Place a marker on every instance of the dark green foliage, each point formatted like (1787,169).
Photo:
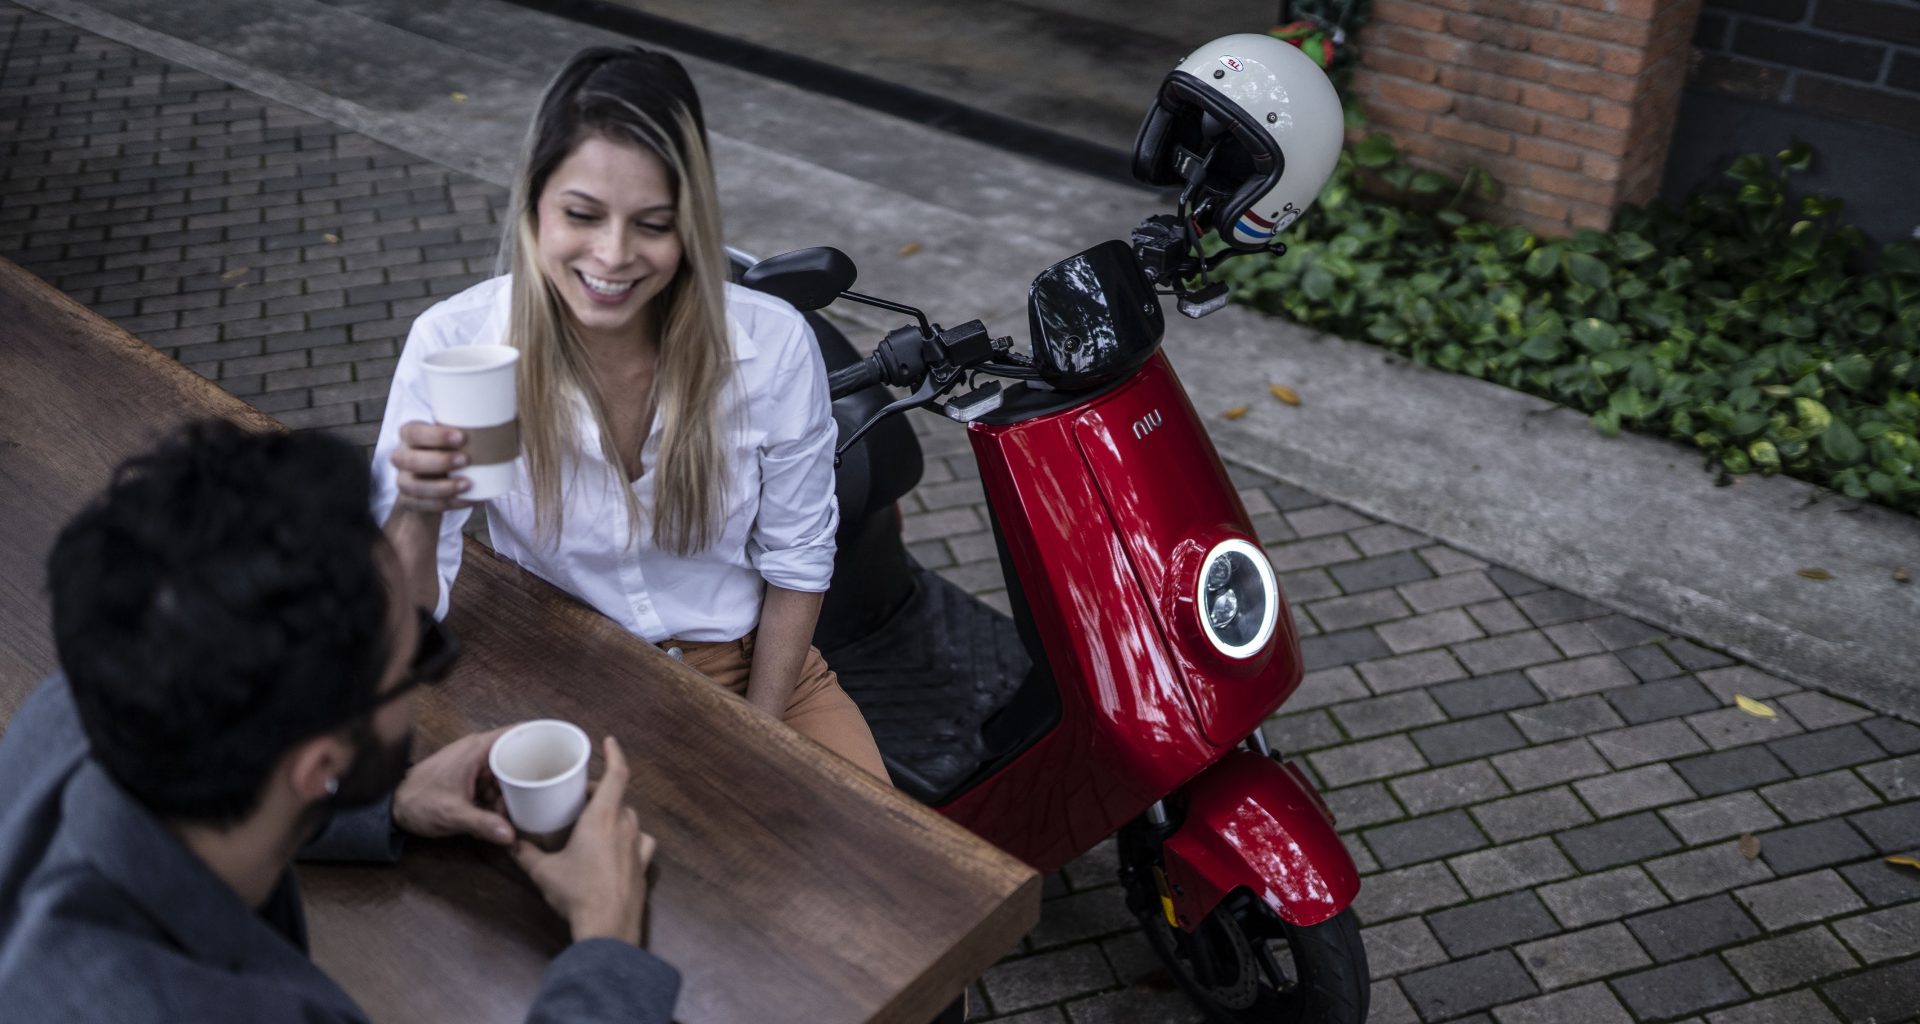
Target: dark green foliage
(1733,325)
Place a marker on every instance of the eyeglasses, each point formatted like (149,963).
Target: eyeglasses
(433,658)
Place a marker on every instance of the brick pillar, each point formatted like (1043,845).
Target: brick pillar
(1569,104)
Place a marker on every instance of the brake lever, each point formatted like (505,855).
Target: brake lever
(926,393)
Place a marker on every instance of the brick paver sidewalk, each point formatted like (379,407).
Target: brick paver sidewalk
(1546,799)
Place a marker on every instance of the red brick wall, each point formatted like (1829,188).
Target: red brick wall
(1569,104)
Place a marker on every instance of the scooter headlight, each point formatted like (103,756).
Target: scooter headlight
(1238,598)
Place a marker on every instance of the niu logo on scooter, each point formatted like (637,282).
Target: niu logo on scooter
(1145,424)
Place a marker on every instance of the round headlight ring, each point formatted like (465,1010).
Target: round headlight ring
(1248,586)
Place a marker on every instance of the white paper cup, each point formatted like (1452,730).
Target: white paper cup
(542,770)
(473,387)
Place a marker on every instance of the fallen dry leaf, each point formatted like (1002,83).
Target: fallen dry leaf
(910,248)
(1815,574)
(459,97)
(1900,576)
(1284,393)
(1905,862)
(1750,846)
(1753,707)
(235,274)
(330,238)
(1235,413)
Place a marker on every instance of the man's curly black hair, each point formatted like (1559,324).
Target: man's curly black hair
(218,604)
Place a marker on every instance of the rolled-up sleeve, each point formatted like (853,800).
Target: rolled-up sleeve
(406,403)
(792,541)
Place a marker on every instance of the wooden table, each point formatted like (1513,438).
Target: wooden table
(790,886)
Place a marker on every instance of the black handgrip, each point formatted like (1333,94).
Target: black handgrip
(858,377)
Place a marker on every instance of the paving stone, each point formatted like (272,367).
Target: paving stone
(1574,639)
(1790,851)
(1360,806)
(1512,583)
(1793,1008)
(1423,632)
(1582,675)
(1501,653)
(1798,900)
(1292,734)
(1648,662)
(1434,836)
(1311,554)
(1898,779)
(1097,867)
(1486,694)
(1046,977)
(1676,989)
(1046,1015)
(1564,719)
(1823,751)
(1883,884)
(1324,519)
(1620,841)
(1634,790)
(1549,765)
(1445,788)
(1345,648)
(1405,945)
(1465,986)
(1720,817)
(1492,924)
(1082,915)
(1693,657)
(1130,1005)
(1667,698)
(1362,762)
(1588,1004)
(1819,711)
(1499,617)
(1388,1005)
(1506,868)
(1619,632)
(1380,571)
(1393,713)
(1445,561)
(1582,956)
(1790,960)
(1745,680)
(1821,796)
(1663,740)
(1360,610)
(1411,890)
(1883,995)
(1729,770)
(1548,607)
(1605,896)
(1882,935)
(1688,929)
(1288,498)
(1893,829)
(1386,538)
(1389,675)
(1531,814)
(1707,870)
(1330,686)
(1475,737)
(1363,860)
(1896,736)
(1449,591)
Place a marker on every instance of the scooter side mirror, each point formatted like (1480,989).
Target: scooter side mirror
(808,278)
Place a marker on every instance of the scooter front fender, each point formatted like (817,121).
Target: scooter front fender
(1254,823)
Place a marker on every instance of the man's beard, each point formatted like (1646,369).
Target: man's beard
(373,776)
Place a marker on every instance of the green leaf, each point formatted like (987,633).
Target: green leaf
(1427,183)
(1839,445)
(1587,270)
(1316,283)
(1607,422)
(1797,158)
(1595,335)
(1813,417)
(1375,151)
(1854,372)
(1632,248)
(1542,262)
(1765,456)
(1543,348)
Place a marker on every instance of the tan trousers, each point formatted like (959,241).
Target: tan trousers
(818,708)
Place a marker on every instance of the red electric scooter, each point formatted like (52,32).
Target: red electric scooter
(1149,637)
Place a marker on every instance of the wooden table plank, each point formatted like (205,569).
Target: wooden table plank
(790,886)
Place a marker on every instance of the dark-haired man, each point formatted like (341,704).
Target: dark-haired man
(236,653)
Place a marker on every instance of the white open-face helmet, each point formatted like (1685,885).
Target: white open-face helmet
(1270,120)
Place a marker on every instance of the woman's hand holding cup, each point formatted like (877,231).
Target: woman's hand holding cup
(423,466)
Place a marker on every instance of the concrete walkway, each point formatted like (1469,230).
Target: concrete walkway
(1544,793)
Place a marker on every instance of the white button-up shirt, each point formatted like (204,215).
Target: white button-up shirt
(777,436)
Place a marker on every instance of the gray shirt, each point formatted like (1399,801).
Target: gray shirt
(106,917)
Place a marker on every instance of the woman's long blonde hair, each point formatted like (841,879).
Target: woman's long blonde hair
(642,98)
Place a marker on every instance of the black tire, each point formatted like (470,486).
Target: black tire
(1220,964)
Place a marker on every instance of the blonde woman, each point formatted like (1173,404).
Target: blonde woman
(677,469)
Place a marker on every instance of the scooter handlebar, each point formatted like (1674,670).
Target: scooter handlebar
(857,377)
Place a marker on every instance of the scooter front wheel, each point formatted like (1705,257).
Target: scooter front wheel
(1235,964)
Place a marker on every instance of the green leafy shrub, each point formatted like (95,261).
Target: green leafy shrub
(1733,325)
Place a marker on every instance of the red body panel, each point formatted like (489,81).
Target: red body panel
(1105,527)
(1254,824)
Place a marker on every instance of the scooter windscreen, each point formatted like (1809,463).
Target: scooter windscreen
(1093,318)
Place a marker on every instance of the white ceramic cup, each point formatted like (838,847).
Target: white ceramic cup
(541,767)
(473,387)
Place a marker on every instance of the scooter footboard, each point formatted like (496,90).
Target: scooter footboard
(1252,822)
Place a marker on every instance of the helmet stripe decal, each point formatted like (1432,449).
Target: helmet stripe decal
(1258,220)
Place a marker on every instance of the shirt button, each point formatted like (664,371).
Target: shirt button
(676,653)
